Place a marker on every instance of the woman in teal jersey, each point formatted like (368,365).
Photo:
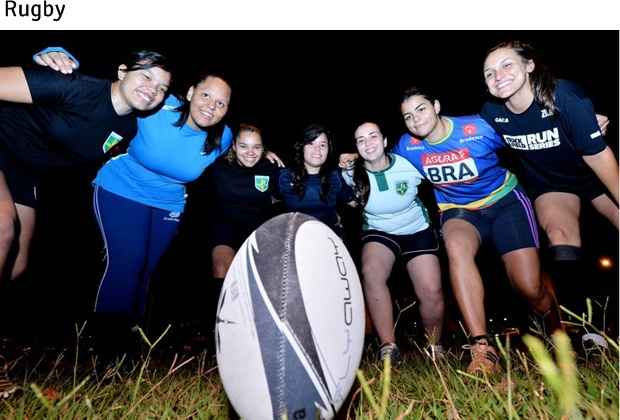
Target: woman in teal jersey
(396,225)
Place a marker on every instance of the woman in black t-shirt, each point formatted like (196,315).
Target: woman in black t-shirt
(240,187)
(50,120)
(237,194)
(553,130)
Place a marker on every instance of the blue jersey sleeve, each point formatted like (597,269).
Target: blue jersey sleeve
(399,147)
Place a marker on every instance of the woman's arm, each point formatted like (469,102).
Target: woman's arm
(13,85)
(605,167)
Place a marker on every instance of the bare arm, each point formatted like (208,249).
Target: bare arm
(605,167)
(13,85)
(603,123)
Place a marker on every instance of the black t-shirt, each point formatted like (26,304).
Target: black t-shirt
(71,121)
(550,145)
(242,196)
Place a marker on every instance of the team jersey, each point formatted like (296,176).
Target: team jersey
(550,145)
(240,195)
(311,202)
(70,122)
(463,166)
(160,160)
(393,205)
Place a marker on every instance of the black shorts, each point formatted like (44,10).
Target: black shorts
(21,180)
(406,247)
(588,188)
(510,222)
(229,234)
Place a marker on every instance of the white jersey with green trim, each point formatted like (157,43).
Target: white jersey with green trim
(393,204)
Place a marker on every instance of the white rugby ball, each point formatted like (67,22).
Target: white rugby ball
(290,322)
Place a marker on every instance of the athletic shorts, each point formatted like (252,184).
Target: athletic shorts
(229,234)
(588,188)
(406,247)
(21,180)
(509,223)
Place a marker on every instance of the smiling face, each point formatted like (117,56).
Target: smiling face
(421,116)
(142,89)
(315,154)
(506,73)
(370,142)
(208,102)
(248,148)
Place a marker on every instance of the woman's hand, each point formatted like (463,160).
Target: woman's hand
(347,160)
(603,123)
(273,158)
(56,60)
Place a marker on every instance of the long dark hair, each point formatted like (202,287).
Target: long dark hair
(543,83)
(361,182)
(214,134)
(146,59)
(310,134)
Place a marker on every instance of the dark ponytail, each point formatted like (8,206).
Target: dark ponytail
(361,183)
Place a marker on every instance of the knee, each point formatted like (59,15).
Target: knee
(7,229)
(459,251)
(431,296)
(19,267)
(562,234)
(534,293)
(372,275)
(220,268)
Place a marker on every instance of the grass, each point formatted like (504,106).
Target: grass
(540,381)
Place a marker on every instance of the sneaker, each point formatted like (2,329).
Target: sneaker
(593,341)
(484,359)
(7,387)
(391,351)
(436,352)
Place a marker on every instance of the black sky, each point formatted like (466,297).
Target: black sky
(283,80)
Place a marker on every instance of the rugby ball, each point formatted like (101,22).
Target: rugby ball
(290,322)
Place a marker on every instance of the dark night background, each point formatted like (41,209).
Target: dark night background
(281,81)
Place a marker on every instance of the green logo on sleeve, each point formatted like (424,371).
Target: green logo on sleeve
(112,140)
(261,182)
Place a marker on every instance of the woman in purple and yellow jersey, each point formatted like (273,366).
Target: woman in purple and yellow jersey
(479,201)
